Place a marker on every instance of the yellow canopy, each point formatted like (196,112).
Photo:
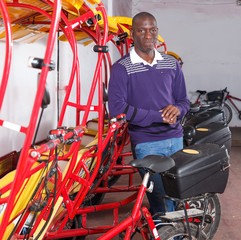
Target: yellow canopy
(29,25)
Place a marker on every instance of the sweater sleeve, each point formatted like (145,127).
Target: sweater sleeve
(180,93)
(118,100)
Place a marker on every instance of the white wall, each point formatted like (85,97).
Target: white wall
(88,60)
(122,8)
(207,36)
(22,87)
(20,94)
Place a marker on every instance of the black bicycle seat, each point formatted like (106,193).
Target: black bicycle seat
(155,163)
(201,92)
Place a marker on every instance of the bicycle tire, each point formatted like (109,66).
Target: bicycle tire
(113,179)
(73,224)
(179,231)
(214,210)
(93,198)
(228,114)
(96,198)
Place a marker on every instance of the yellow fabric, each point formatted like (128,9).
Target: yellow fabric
(26,193)
(78,35)
(73,7)
(76,187)
(86,43)
(94,1)
(75,3)
(41,225)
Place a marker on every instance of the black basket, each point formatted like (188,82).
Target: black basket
(215,96)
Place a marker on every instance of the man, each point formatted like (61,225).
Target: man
(149,87)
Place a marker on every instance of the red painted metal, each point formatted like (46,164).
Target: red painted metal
(151,224)
(25,163)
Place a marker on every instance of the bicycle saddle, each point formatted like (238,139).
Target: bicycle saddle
(155,163)
(201,92)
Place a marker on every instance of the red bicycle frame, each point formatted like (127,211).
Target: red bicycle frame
(24,163)
(129,224)
(230,98)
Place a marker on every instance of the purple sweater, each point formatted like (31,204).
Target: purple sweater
(140,91)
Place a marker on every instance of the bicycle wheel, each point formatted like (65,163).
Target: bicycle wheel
(113,179)
(93,198)
(179,231)
(228,114)
(213,210)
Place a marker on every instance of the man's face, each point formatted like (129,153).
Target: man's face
(144,33)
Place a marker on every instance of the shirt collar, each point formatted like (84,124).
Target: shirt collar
(135,58)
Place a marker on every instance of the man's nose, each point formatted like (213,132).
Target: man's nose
(148,34)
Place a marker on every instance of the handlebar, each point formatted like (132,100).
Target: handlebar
(62,134)
(225,91)
(57,136)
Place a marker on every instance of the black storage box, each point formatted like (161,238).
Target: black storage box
(199,169)
(215,96)
(213,133)
(203,118)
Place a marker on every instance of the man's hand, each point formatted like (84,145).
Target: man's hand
(170,113)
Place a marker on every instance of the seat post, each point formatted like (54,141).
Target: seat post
(141,194)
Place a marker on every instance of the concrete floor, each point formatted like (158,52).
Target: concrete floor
(230,224)
(229,228)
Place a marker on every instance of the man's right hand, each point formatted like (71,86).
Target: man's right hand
(169,114)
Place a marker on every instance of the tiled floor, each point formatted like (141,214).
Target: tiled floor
(230,224)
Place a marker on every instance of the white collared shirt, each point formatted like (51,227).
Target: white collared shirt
(135,58)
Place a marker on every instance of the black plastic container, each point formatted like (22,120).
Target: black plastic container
(204,117)
(213,133)
(199,169)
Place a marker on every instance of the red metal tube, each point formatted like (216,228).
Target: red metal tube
(24,165)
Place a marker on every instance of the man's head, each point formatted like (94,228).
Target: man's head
(144,32)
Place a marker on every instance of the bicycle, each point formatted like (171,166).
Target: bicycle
(192,223)
(228,109)
(195,222)
(219,98)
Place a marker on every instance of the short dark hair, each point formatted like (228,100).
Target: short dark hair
(142,15)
